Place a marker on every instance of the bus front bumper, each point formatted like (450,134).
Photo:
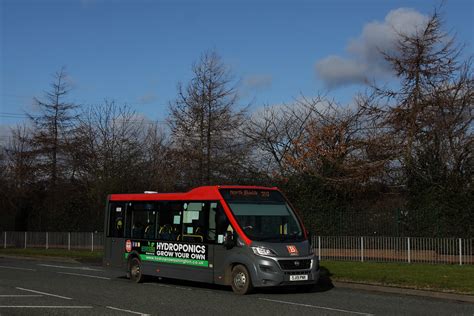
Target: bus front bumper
(281,271)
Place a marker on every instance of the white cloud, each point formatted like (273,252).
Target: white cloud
(258,81)
(147,98)
(364,60)
(338,71)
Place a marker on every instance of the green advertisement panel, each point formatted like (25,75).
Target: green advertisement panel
(169,252)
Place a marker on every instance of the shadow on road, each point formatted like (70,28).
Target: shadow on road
(186,283)
(325,281)
(324,284)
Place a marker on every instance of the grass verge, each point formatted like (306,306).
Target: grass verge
(81,255)
(445,278)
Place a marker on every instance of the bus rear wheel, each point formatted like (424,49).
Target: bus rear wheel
(136,274)
(241,282)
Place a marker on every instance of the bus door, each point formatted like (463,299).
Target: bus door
(115,238)
(220,253)
(183,247)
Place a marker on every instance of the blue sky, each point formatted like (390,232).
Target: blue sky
(137,51)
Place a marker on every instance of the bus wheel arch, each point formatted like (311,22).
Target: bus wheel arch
(135,269)
(230,266)
(241,279)
(228,271)
(129,259)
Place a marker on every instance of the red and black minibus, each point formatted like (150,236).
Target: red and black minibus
(243,236)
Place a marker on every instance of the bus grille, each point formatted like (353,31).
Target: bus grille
(295,264)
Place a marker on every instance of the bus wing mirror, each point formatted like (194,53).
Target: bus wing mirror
(229,241)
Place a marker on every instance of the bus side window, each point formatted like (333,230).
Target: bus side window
(143,220)
(194,222)
(169,216)
(116,219)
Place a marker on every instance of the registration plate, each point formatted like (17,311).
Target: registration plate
(302,277)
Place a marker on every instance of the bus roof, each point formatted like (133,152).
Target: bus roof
(196,194)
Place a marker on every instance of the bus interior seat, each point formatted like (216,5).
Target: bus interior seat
(150,231)
(198,227)
(137,231)
(168,232)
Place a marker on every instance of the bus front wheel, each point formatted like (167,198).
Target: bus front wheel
(136,274)
(241,282)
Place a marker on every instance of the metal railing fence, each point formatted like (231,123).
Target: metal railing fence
(344,248)
(395,249)
(93,241)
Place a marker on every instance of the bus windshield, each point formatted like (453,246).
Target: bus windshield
(263,215)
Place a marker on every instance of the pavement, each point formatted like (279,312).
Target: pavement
(45,287)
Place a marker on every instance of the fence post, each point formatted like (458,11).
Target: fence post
(319,248)
(460,251)
(47,240)
(69,241)
(25,240)
(409,249)
(5,240)
(362,249)
(92,241)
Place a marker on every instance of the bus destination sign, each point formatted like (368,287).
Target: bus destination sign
(249,195)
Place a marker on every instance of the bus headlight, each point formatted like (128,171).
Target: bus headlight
(263,251)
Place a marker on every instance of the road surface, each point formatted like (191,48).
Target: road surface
(35,287)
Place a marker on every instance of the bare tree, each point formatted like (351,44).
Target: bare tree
(20,172)
(21,158)
(337,144)
(161,162)
(273,130)
(430,115)
(5,192)
(52,128)
(109,137)
(204,121)
(108,155)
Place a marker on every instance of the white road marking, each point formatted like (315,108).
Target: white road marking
(27,295)
(314,306)
(16,268)
(183,288)
(67,267)
(158,284)
(127,311)
(85,275)
(42,306)
(44,293)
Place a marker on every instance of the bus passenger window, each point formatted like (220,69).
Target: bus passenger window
(195,222)
(169,221)
(117,220)
(143,220)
